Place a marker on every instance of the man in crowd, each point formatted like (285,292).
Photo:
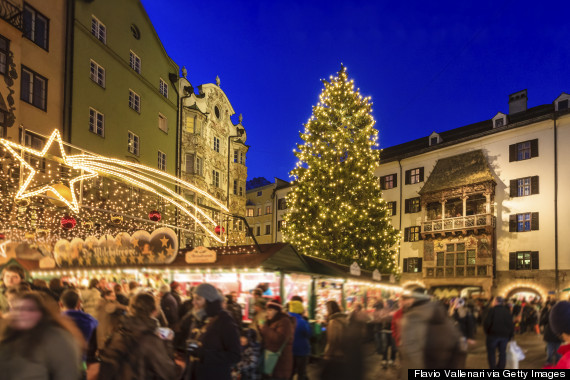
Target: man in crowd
(499,327)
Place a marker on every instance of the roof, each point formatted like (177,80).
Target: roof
(468,132)
(256,183)
(331,269)
(460,170)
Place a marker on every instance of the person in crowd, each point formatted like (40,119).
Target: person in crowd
(429,338)
(265,289)
(559,320)
(334,366)
(109,313)
(137,350)
(259,316)
(213,346)
(70,305)
(169,306)
(121,297)
(499,328)
(552,340)
(39,343)
(301,343)
(385,343)
(91,298)
(12,275)
(248,367)
(103,285)
(278,335)
(175,290)
(186,305)
(133,289)
(56,288)
(234,308)
(464,320)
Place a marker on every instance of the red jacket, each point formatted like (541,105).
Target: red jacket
(564,362)
(396,321)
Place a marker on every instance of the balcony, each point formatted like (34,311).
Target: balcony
(479,270)
(11,14)
(460,224)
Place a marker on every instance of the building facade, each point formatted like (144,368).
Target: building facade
(480,207)
(32,67)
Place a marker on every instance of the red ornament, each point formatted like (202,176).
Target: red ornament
(68,222)
(155,216)
(219,229)
(2,236)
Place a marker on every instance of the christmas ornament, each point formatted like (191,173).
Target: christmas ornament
(155,216)
(23,202)
(29,235)
(2,236)
(117,219)
(68,222)
(63,191)
(88,225)
(219,229)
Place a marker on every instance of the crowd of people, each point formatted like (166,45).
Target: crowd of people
(123,331)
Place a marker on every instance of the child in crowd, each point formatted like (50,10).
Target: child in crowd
(248,366)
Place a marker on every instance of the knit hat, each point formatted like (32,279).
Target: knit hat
(296,307)
(273,305)
(208,292)
(560,317)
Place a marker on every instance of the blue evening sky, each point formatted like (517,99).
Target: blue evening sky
(428,65)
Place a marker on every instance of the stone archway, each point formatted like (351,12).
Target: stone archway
(522,291)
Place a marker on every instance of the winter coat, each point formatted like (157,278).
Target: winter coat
(83,321)
(301,344)
(499,322)
(564,362)
(248,366)
(122,299)
(109,314)
(429,339)
(276,332)
(169,307)
(336,334)
(234,309)
(90,298)
(465,322)
(220,346)
(396,325)
(56,356)
(259,316)
(135,351)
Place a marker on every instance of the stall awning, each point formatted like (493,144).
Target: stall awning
(331,269)
(456,171)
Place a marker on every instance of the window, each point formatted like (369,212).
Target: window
(133,143)
(433,140)
(267,229)
(98,29)
(161,161)
(36,27)
(388,181)
(524,186)
(258,232)
(525,260)
(33,88)
(280,225)
(259,211)
(190,160)
(412,265)
(162,123)
(241,191)
(236,155)
(135,62)
(162,86)
(259,193)
(35,142)
(523,151)
(499,123)
(135,32)
(216,178)
(267,210)
(439,260)
(414,176)
(249,212)
(527,221)
(391,206)
(471,257)
(412,233)
(282,204)
(235,187)
(96,122)
(4,54)
(216,144)
(97,74)
(413,205)
(563,105)
(199,166)
(241,158)
(135,101)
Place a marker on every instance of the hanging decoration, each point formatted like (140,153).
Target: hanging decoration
(116,219)
(68,222)
(155,216)
(219,229)
(61,190)
(88,224)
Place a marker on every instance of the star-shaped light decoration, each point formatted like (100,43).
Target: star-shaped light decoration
(23,192)
(164,241)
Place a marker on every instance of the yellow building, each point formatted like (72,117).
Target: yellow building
(32,63)
(261,209)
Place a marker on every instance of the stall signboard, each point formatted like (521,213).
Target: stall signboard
(221,277)
(201,255)
(355,269)
(188,277)
(142,247)
(376,275)
(258,277)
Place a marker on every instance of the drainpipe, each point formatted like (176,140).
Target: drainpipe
(556,274)
(68,81)
(400,209)
(178,158)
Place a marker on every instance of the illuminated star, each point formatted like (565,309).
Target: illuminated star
(151,259)
(118,242)
(135,242)
(161,257)
(99,261)
(81,260)
(124,259)
(140,259)
(164,241)
(170,250)
(23,192)
(132,259)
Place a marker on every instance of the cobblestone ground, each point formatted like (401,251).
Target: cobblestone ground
(531,343)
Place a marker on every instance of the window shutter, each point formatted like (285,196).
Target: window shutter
(513,223)
(406,233)
(534,260)
(394,208)
(420,233)
(419,265)
(514,189)
(383,183)
(405,269)
(407,206)
(395,179)
(534,221)
(512,260)
(512,152)
(408,177)
(534,185)
(190,163)
(534,148)
(421,174)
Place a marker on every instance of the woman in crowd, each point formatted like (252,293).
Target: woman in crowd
(39,343)
(334,355)
(91,297)
(109,313)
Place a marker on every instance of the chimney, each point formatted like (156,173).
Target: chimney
(517,102)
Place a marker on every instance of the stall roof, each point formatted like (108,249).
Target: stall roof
(332,269)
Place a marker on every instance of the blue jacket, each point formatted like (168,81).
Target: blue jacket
(84,322)
(301,345)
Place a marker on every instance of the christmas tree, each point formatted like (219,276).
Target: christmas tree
(336,210)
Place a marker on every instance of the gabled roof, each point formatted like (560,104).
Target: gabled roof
(455,171)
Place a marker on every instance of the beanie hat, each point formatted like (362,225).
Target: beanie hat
(208,292)
(274,305)
(296,307)
(560,317)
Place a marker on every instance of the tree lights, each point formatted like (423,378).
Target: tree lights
(336,208)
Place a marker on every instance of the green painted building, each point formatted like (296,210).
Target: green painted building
(122,101)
